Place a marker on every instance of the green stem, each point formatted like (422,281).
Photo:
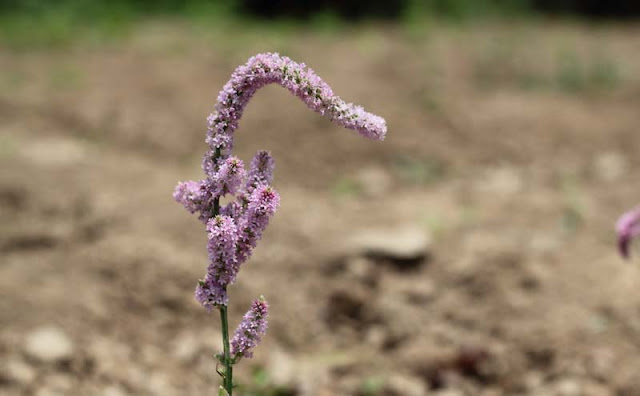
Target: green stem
(224,319)
(228,368)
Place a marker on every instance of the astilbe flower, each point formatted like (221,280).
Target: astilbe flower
(234,229)
(250,331)
(628,227)
(225,174)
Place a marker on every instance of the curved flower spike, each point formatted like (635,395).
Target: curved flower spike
(628,227)
(268,68)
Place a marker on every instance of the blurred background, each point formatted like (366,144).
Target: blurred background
(470,253)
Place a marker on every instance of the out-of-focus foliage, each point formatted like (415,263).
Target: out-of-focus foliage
(297,9)
(50,23)
(591,8)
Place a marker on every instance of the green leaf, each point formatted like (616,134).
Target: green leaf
(222,392)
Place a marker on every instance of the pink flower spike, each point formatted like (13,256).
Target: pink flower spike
(628,227)
(297,78)
(250,331)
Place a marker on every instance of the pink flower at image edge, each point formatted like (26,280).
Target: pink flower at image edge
(627,228)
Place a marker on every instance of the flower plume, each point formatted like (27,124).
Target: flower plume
(300,80)
(234,229)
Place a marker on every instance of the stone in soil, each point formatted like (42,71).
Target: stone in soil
(48,345)
(398,244)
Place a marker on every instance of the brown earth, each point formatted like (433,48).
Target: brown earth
(514,147)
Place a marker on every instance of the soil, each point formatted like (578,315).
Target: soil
(514,147)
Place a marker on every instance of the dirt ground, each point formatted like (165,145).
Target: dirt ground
(511,151)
